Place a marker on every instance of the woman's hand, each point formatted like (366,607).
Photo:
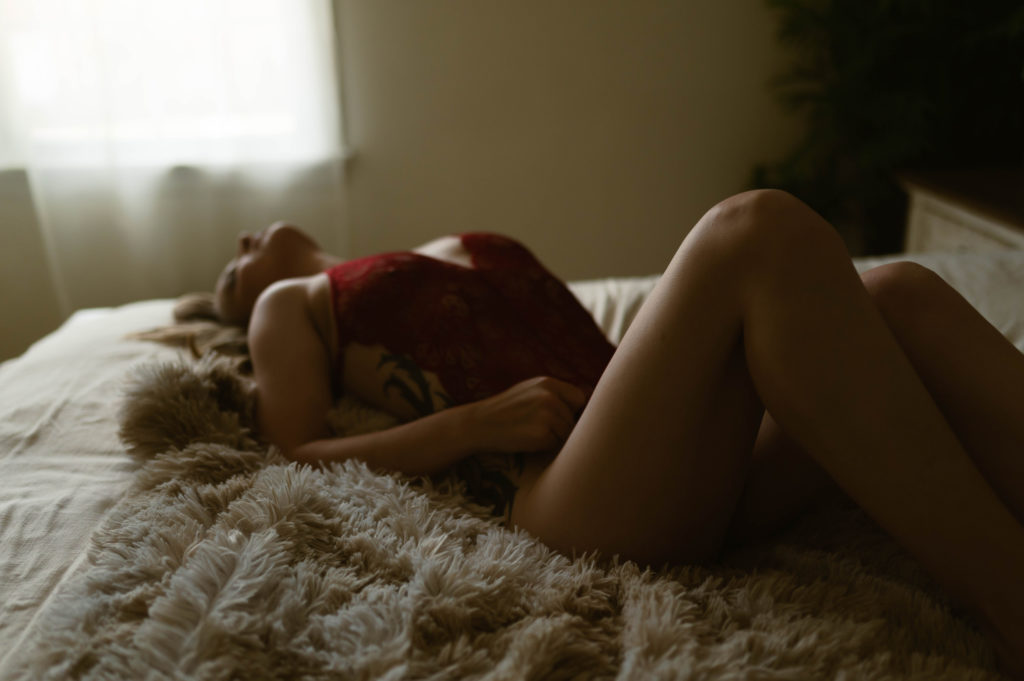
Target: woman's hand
(532,416)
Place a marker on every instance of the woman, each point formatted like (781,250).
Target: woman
(759,343)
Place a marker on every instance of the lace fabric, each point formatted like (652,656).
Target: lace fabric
(481,330)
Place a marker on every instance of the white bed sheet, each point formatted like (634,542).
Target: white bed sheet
(62,467)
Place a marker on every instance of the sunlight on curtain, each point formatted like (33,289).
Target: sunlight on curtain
(152,132)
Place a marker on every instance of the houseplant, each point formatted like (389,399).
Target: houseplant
(887,85)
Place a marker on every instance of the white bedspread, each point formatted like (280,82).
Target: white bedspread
(62,466)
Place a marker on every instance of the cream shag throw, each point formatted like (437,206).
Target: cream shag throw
(226,561)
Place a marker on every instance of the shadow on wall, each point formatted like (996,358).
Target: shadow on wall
(29,306)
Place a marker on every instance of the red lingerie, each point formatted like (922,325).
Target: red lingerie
(480,330)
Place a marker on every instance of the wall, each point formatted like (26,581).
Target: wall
(29,306)
(597,131)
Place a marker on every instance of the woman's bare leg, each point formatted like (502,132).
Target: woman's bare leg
(764,271)
(782,484)
(975,375)
(674,418)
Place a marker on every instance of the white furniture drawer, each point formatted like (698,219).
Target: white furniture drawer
(935,225)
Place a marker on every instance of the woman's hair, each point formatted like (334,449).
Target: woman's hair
(194,306)
(199,328)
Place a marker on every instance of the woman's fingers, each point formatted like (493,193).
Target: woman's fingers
(573,395)
(560,421)
(559,402)
(570,394)
(533,415)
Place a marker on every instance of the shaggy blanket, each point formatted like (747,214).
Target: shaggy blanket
(226,561)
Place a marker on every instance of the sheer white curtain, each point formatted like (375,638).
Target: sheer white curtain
(151,132)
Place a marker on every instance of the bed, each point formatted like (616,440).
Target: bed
(184,550)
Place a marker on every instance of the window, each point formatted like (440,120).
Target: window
(164,82)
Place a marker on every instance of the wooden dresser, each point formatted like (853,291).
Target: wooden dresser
(965,210)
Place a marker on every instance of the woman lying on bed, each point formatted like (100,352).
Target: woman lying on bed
(760,343)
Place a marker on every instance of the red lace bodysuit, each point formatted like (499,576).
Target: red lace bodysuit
(480,330)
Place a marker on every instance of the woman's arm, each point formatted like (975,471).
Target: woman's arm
(421,447)
(292,371)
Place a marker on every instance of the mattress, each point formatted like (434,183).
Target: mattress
(62,467)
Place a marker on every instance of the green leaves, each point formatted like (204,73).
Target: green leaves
(890,84)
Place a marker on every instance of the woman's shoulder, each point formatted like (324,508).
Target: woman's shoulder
(293,289)
(291,296)
(291,303)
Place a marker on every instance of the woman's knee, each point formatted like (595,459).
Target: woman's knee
(903,289)
(769,226)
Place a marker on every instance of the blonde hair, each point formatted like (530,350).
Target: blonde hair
(199,329)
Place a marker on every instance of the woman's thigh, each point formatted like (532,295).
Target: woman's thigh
(658,459)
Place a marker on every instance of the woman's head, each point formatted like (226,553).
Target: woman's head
(281,251)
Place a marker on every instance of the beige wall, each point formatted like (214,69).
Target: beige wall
(598,131)
(29,306)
